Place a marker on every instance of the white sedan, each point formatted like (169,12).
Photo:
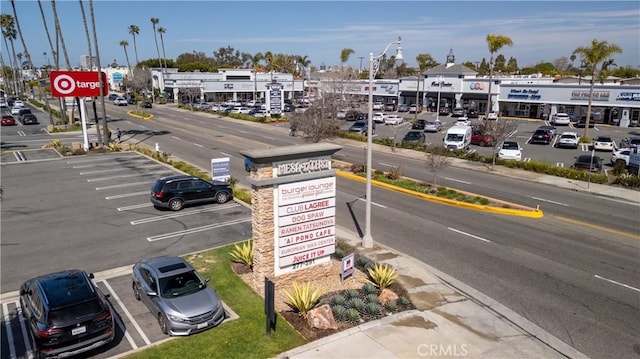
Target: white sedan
(393,120)
(463,121)
(15,110)
(510,150)
(378,117)
(603,143)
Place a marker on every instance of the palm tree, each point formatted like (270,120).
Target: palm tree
(46,28)
(599,51)
(86,31)
(344,55)
(162,31)
(134,30)
(59,36)
(105,129)
(9,33)
(24,45)
(495,43)
(154,22)
(124,44)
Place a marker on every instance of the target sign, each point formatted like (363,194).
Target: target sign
(77,83)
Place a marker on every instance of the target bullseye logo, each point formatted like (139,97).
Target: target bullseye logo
(77,83)
(64,84)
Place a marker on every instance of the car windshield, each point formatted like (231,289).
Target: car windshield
(181,284)
(604,139)
(510,146)
(454,137)
(412,135)
(75,312)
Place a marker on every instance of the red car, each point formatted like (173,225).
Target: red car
(8,120)
(482,139)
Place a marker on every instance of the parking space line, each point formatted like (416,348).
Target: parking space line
(123,176)
(125,195)
(135,206)
(129,316)
(559,164)
(23,328)
(7,326)
(122,185)
(105,164)
(197,229)
(117,169)
(183,213)
(226,154)
(98,159)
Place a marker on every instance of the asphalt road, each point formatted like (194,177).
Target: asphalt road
(579,283)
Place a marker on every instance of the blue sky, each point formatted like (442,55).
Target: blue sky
(541,31)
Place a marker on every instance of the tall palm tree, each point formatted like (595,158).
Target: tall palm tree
(124,44)
(46,28)
(344,55)
(154,22)
(495,43)
(105,129)
(598,52)
(162,31)
(134,30)
(59,36)
(9,33)
(91,64)
(24,45)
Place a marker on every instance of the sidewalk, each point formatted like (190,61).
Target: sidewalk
(450,320)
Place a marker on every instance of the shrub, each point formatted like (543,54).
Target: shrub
(391,306)
(363,262)
(303,298)
(373,310)
(56,143)
(353,316)
(403,301)
(243,253)
(395,173)
(356,303)
(114,147)
(339,253)
(372,298)
(352,293)
(382,275)
(369,288)
(339,313)
(337,300)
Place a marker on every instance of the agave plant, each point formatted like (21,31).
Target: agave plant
(243,253)
(337,300)
(339,313)
(382,275)
(403,301)
(391,306)
(352,293)
(353,316)
(373,310)
(303,298)
(372,298)
(369,288)
(356,303)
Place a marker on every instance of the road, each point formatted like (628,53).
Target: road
(578,282)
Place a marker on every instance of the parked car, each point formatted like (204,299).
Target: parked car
(541,136)
(414,137)
(492,116)
(378,106)
(16,110)
(390,107)
(360,126)
(176,295)
(552,129)
(393,120)
(629,142)
(603,143)
(8,120)
(378,117)
(582,122)
(415,108)
(403,108)
(568,140)
(433,126)
(112,97)
(418,125)
(457,112)
(588,162)
(66,314)
(29,119)
(445,111)
(175,192)
(146,104)
(18,103)
(463,121)
(510,150)
(482,139)
(473,113)
(560,118)
(620,156)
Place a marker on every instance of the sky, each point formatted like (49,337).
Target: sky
(541,31)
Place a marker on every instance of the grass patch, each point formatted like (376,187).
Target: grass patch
(241,338)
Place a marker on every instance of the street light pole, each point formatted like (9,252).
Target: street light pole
(438,104)
(374,64)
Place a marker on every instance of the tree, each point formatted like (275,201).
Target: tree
(105,129)
(154,22)
(562,64)
(495,43)
(425,62)
(512,65)
(499,130)
(134,30)
(124,45)
(598,52)
(437,158)
(604,70)
(345,54)
(139,80)
(60,38)
(91,64)
(162,31)
(500,64)
(192,94)
(9,33)
(24,45)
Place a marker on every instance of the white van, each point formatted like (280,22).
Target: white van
(458,137)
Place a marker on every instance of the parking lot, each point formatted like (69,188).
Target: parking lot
(561,157)
(93,213)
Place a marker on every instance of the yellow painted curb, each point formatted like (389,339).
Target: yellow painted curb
(534,213)
(130,113)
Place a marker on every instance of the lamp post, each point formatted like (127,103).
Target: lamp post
(440,79)
(374,64)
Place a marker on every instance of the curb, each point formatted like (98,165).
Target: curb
(130,113)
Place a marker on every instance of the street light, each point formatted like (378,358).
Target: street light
(440,79)
(374,64)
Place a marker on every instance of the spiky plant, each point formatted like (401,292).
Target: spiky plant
(352,293)
(339,313)
(391,306)
(339,253)
(363,262)
(373,310)
(56,143)
(337,300)
(353,316)
(369,288)
(372,298)
(403,301)
(243,253)
(356,303)
(382,275)
(303,298)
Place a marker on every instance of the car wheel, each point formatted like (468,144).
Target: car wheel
(136,292)
(222,197)
(620,162)
(175,204)
(162,322)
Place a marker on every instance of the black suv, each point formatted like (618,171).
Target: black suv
(419,125)
(175,192)
(66,313)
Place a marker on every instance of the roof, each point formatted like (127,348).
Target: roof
(457,69)
(65,288)
(167,266)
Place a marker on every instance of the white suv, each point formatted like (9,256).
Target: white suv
(568,139)
(560,118)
